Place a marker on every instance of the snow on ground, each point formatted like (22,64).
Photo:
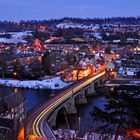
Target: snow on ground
(75,25)
(111,85)
(135,82)
(65,134)
(53,83)
(129,84)
(97,35)
(12,40)
(16,37)
(95,136)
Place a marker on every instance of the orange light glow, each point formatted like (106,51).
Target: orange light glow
(74,71)
(93,51)
(37,45)
(52,38)
(42,28)
(40,58)
(15,60)
(112,72)
(28,59)
(44,46)
(21,134)
(15,90)
(14,73)
(112,89)
(117,56)
(33,137)
(134,133)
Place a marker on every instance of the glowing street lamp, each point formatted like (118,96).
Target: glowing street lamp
(40,58)
(93,51)
(14,73)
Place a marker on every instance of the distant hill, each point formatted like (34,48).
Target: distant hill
(52,23)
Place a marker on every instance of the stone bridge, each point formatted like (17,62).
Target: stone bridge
(80,97)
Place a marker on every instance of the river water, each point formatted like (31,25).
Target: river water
(84,117)
(82,121)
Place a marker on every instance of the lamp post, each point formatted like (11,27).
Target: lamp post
(79,120)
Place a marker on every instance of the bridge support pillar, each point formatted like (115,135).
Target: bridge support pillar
(52,120)
(97,83)
(70,106)
(91,90)
(104,78)
(81,98)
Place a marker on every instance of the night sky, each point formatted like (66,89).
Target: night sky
(16,10)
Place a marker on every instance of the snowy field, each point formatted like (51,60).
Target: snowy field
(54,83)
(16,37)
(95,136)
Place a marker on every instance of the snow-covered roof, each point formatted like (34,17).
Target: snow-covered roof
(116,41)
(130,73)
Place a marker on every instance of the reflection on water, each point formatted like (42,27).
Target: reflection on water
(15,90)
(82,121)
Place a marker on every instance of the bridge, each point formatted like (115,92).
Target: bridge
(40,122)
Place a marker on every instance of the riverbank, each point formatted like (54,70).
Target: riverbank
(126,82)
(53,83)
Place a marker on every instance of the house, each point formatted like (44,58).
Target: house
(7,129)
(12,112)
(110,66)
(130,66)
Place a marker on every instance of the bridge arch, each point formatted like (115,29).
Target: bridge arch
(61,118)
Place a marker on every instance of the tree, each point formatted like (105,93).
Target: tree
(2,68)
(42,36)
(17,69)
(36,68)
(108,50)
(84,49)
(47,61)
(138,74)
(120,114)
(71,59)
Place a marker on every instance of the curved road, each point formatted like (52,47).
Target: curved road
(36,122)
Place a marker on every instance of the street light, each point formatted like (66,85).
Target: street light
(79,120)
(14,73)
(34,137)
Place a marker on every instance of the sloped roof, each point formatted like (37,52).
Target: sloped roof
(3,107)
(14,100)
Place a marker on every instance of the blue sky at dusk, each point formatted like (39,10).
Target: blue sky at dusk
(46,9)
